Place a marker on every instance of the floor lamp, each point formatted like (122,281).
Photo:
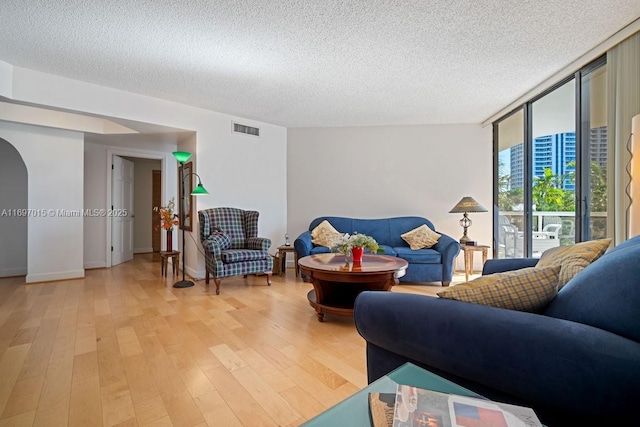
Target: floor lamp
(182,157)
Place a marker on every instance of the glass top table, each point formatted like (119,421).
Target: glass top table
(354,410)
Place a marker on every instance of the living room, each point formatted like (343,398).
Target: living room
(368,166)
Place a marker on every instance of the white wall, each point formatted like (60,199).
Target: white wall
(247,172)
(6,79)
(387,171)
(13,228)
(192,247)
(237,171)
(54,161)
(142,203)
(95,197)
(99,151)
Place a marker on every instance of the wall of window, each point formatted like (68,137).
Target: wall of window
(550,159)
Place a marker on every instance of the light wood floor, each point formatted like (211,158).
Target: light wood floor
(121,347)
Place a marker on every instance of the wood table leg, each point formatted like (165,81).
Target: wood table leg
(484,256)
(466,265)
(470,263)
(283,263)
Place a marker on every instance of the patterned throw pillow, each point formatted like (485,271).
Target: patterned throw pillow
(324,234)
(528,289)
(222,240)
(573,258)
(421,237)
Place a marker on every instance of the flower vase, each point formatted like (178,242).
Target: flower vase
(356,253)
(169,241)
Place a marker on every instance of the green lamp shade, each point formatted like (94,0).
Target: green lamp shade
(182,156)
(199,190)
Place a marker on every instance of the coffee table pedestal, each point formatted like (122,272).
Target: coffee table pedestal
(336,283)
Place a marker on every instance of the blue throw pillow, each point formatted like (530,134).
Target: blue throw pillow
(606,294)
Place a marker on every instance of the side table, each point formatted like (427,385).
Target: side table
(282,254)
(164,261)
(468,257)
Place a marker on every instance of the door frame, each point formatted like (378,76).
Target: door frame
(169,182)
(126,177)
(156,233)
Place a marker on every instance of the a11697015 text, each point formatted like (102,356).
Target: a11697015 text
(63,213)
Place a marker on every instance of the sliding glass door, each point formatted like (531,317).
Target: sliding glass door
(553,184)
(509,140)
(593,118)
(550,168)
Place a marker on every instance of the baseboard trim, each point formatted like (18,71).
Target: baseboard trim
(194,274)
(142,250)
(94,264)
(12,272)
(49,277)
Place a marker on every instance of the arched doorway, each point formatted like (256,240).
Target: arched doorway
(13,211)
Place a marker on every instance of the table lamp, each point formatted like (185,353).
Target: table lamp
(465,205)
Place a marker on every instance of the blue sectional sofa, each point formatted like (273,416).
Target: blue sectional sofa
(425,265)
(575,363)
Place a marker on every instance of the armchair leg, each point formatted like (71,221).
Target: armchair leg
(445,283)
(218,281)
(269,278)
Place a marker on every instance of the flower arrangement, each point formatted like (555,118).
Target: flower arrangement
(345,243)
(167,217)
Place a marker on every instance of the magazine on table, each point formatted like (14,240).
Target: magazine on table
(416,407)
(381,408)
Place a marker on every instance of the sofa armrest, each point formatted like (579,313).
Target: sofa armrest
(507,264)
(546,362)
(449,249)
(259,243)
(303,244)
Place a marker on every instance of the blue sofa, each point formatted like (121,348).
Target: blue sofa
(425,265)
(576,363)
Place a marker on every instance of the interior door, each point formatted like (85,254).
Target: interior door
(156,201)
(122,210)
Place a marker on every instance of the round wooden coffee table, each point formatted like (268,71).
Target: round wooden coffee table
(336,283)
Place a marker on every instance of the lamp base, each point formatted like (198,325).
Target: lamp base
(183,284)
(464,239)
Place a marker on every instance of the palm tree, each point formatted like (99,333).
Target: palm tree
(547,192)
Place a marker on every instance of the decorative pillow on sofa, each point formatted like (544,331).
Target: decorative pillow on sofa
(573,258)
(421,237)
(324,234)
(528,289)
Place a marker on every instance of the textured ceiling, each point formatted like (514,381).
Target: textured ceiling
(304,63)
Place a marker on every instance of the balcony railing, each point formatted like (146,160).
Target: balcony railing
(550,229)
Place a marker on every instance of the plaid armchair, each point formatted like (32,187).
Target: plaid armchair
(231,245)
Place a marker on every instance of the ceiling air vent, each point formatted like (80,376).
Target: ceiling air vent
(247,130)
